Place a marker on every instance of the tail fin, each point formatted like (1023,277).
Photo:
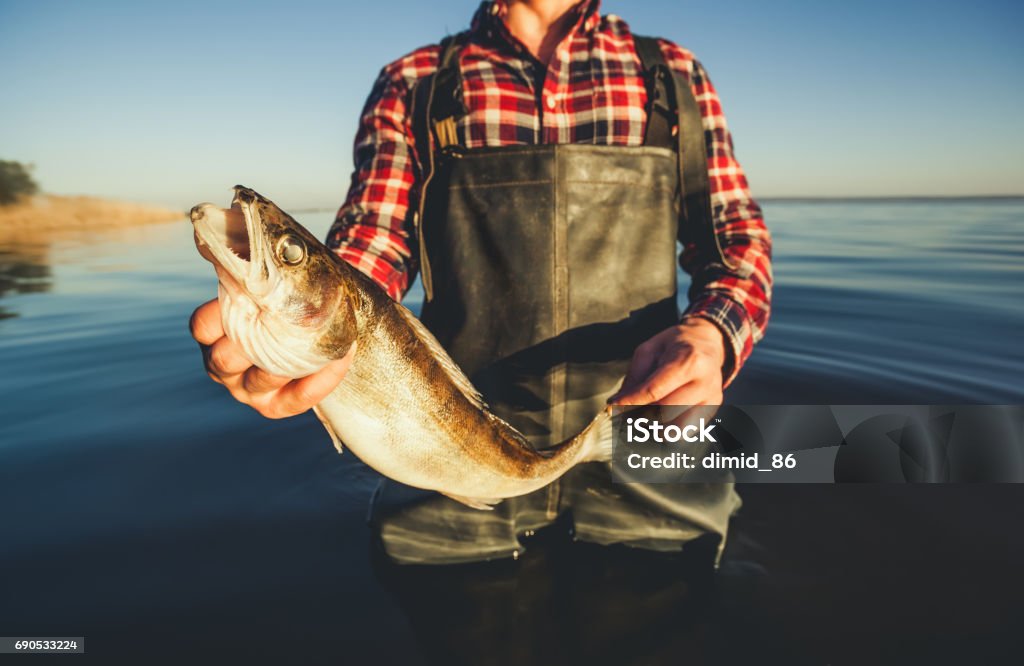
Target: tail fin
(597,439)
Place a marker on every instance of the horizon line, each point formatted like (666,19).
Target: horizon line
(813,199)
(884,197)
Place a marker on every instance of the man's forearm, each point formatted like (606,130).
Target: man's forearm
(372,229)
(736,298)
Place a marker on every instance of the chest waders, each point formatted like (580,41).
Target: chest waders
(544,267)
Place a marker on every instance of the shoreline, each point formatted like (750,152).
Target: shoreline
(49,213)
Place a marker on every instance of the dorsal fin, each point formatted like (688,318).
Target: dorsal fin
(449,366)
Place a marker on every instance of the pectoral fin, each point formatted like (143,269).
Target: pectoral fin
(330,431)
(482,503)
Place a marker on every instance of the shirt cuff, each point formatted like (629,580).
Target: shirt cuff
(393,281)
(732,320)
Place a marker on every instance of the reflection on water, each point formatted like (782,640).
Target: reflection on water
(563,602)
(583,571)
(24,269)
(137,497)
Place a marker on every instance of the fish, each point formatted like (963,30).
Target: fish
(404,407)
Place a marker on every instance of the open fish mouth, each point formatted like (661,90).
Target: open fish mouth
(223,237)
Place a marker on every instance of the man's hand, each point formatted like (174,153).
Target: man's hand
(272,396)
(681,365)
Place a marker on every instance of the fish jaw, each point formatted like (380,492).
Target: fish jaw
(230,240)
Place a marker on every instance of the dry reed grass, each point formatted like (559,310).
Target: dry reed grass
(50,213)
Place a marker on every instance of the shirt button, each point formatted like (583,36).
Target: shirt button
(551,102)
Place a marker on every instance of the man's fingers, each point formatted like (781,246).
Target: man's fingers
(661,383)
(271,395)
(205,323)
(258,380)
(640,367)
(224,358)
(305,393)
(689,394)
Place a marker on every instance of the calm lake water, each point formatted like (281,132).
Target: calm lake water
(144,509)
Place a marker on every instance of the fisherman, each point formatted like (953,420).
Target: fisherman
(537,171)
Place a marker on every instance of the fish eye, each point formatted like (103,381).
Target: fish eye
(291,250)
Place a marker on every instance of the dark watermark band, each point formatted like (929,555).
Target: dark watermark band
(819,444)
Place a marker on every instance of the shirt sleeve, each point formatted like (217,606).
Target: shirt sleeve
(736,297)
(373,228)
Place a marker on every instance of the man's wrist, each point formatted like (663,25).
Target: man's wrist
(732,320)
(714,335)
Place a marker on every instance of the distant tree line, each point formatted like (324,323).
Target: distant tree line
(15,182)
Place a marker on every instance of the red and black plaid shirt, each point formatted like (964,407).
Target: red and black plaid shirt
(592,91)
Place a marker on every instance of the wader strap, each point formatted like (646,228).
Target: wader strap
(671,91)
(661,117)
(436,108)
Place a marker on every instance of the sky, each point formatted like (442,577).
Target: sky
(175,102)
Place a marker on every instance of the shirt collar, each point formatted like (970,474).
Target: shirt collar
(491,15)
